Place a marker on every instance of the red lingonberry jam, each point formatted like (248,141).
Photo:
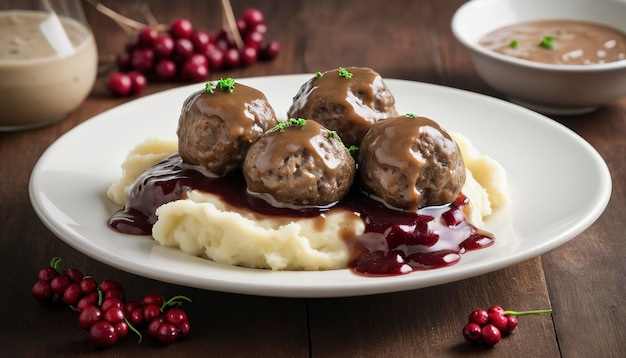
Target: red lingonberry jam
(394,242)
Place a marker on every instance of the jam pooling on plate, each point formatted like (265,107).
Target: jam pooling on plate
(394,242)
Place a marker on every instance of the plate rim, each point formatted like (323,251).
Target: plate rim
(367,285)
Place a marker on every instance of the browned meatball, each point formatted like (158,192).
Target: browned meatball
(348,106)
(411,162)
(216,129)
(299,165)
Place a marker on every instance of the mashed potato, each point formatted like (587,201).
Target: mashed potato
(202,225)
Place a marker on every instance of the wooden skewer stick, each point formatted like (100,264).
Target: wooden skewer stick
(232,23)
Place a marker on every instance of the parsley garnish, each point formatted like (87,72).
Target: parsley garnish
(547,42)
(333,134)
(411,115)
(353,148)
(344,73)
(319,75)
(513,44)
(291,122)
(225,84)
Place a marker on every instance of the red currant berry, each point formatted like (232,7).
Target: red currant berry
(254,39)
(88,285)
(178,317)
(495,309)
(119,84)
(232,58)
(165,69)
(142,60)
(163,46)
(121,329)
(181,28)
(183,49)
(150,312)
(200,41)
(112,302)
(153,299)
(262,28)
(269,51)
(490,334)
(498,320)
(42,291)
(75,275)
(242,26)
(138,82)
(215,58)
(91,299)
(480,317)
(167,333)
(512,322)
(72,294)
(113,315)
(154,325)
(130,306)
(59,284)
(102,334)
(249,55)
(113,293)
(147,36)
(123,61)
(136,317)
(106,285)
(472,332)
(194,72)
(89,316)
(47,274)
(253,17)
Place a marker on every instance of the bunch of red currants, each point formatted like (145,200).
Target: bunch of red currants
(104,311)
(183,53)
(489,326)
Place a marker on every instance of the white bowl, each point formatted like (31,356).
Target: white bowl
(553,89)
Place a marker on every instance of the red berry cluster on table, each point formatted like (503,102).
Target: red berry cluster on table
(104,311)
(489,326)
(186,54)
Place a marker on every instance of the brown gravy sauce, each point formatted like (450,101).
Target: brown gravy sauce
(573,42)
(394,243)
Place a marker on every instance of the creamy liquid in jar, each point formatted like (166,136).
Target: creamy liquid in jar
(37,85)
(565,42)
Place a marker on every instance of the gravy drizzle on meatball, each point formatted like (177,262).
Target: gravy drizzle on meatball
(217,126)
(301,164)
(411,162)
(347,101)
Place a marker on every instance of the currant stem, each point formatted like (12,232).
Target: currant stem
(523,313)
(132,328)
(176,300)
(54,263)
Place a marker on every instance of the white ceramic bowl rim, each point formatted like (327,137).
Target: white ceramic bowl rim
(463,12)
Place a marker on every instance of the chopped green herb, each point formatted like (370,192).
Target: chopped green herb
(333,134)
(209,87)
(291,122)
(344,73)
(547,42)
(411,115)
(513,44)
(319,75)
(353,148)
(225,84)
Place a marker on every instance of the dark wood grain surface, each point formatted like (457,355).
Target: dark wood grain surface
(583,281)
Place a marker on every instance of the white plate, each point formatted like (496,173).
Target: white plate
(559,185)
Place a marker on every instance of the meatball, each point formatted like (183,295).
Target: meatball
(217,126)
(299,164)
(411,162)
(343,103)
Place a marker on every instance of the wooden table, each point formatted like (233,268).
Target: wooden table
(583,281)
